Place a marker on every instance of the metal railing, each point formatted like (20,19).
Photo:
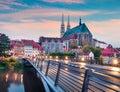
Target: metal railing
(76,79)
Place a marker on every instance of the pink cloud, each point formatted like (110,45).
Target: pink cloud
(65,1)
(31,30)
(2,6)
(44,12)
(108,31)
(11,2)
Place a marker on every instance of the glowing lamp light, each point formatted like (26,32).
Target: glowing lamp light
(6,76)
(66,58)
(82,59)
(66,61)
(51,57)
(82,65)
(115,62)
(46,57)
(43,57)
(57,57)
(34,59)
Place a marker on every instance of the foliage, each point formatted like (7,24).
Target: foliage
(101,59)
(60,54)
(4,44)
(2,65)
(86,48)
(96,51)
(11,62)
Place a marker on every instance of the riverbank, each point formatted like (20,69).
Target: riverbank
(10,63)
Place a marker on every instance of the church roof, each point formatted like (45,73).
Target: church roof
(78,29)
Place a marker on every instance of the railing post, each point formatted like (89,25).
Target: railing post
(58,73)
(47,68)
(86,80)
(41,65)
(38,63)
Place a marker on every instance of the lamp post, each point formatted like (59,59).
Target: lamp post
(82,59)
(57,58)
(66,60)
(115,62)
(50,57)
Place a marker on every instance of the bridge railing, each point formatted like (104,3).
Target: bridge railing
(75,79)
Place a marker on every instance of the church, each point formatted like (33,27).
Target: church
(71,38)
(75,37)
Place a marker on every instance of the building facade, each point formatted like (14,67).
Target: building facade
(77,36)
(51,44)
(25,48)
(99,44)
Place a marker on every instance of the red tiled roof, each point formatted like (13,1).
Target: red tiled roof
(34,44)
(74,36)
(109,51)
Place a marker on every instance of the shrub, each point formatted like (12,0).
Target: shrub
(62,55)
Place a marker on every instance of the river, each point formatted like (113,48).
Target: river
(23,80)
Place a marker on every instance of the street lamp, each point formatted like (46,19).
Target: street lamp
(115,62)
(46,56)
(57,58)
(66,60)
(82,59)
(51,57)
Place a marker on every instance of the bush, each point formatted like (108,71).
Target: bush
(62,55)
(12,60)
(9,62)
(3,64)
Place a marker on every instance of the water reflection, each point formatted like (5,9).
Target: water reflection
(20,81)
(10,80)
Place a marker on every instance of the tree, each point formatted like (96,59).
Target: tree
(96,51)
(4,44)
(87,48)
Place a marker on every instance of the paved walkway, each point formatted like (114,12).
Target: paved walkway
(106,67)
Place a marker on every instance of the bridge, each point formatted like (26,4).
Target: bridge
(63,77)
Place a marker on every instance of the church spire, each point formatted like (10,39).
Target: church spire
(80,22)
(62,31)
(62,19)
(68,25)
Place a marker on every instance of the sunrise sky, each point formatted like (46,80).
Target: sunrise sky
(30,19)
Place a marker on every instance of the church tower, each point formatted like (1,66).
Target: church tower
(68,25)
(80,22)
(62,31)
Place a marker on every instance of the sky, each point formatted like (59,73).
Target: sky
(30,19)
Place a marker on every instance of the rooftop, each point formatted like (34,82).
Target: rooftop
(78,29)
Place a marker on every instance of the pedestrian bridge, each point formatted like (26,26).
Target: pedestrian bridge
(62,77)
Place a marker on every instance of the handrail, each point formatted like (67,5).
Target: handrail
(71,78)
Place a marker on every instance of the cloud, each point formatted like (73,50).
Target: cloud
(6,4)
(108,31)
(5,7)
(44,12)
(31,30)
(65,1)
